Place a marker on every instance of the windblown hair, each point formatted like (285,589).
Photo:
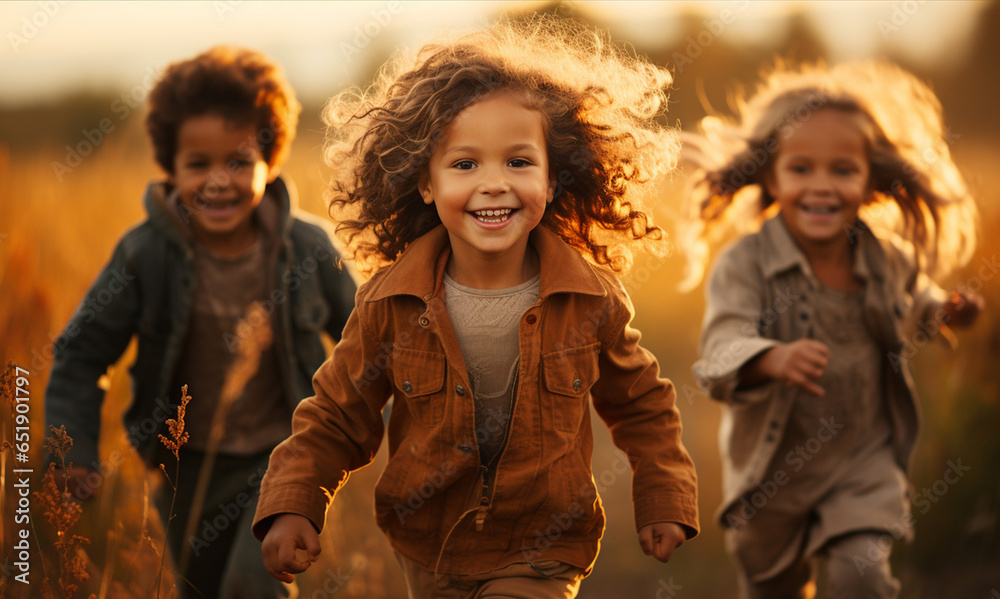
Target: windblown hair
(241,85)
(918,194)
(599,108)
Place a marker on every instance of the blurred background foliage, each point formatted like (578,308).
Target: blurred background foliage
(57,229)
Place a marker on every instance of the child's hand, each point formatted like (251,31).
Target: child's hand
(962,308)
(659,539)
(797,363)
(290,536)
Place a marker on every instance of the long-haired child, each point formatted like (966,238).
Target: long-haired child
(809,320)
(497,179)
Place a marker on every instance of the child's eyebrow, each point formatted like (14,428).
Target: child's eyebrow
(514,148)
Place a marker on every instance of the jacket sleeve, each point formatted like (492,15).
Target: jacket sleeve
(96,336)
(734,298)
(640,410)
(336,431)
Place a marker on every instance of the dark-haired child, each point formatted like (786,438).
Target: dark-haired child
(222,232)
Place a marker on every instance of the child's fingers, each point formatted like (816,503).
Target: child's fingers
(805,382)
(646,539)
(310,543)
(273,562)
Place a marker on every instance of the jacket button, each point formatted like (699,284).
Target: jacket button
(424,321)
(407,387)
(460,390)
(803,316)
(769,438)
(531,319)
(465,448)
(577,384)
(774,424)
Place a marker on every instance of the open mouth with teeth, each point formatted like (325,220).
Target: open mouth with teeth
(493,216)
(820,210)
(206,204)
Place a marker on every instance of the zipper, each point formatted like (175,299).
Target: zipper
(487,492)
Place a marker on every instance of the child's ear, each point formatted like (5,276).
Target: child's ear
(424,186)
(551,193)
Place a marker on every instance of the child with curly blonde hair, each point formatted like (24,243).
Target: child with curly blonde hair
(810,320)
(497,180)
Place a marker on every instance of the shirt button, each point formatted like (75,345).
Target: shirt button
(531,319)
(460,390)
(424,321)
(465,448)
(774,424)
(769,438)
(407,387)
(803,316)
(577,384)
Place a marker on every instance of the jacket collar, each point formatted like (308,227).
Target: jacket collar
(781,253)
(419,270)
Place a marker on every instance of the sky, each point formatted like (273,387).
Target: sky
(52,48)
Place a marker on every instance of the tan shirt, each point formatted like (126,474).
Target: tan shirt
(486,323)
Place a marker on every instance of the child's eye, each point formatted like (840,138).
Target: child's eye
(464,165)
(844,171)
(196,164)
(519,163)
(799,169)
(235,165)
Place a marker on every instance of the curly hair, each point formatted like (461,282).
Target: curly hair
(241,85)
(918,194)
(599,108)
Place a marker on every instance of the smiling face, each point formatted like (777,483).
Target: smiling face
(820,178)
(488,178)
(221,174)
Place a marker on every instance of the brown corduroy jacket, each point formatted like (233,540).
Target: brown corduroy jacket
(576,345)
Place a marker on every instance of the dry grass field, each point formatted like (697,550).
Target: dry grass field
(58,227)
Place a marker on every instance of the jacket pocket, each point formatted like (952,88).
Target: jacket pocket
(569,374)
(419,377)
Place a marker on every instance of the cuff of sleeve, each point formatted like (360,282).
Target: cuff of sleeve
(673,507)
(719,376)
(309,502)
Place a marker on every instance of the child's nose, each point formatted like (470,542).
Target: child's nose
(821,182)
(218,180)
(493,182)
